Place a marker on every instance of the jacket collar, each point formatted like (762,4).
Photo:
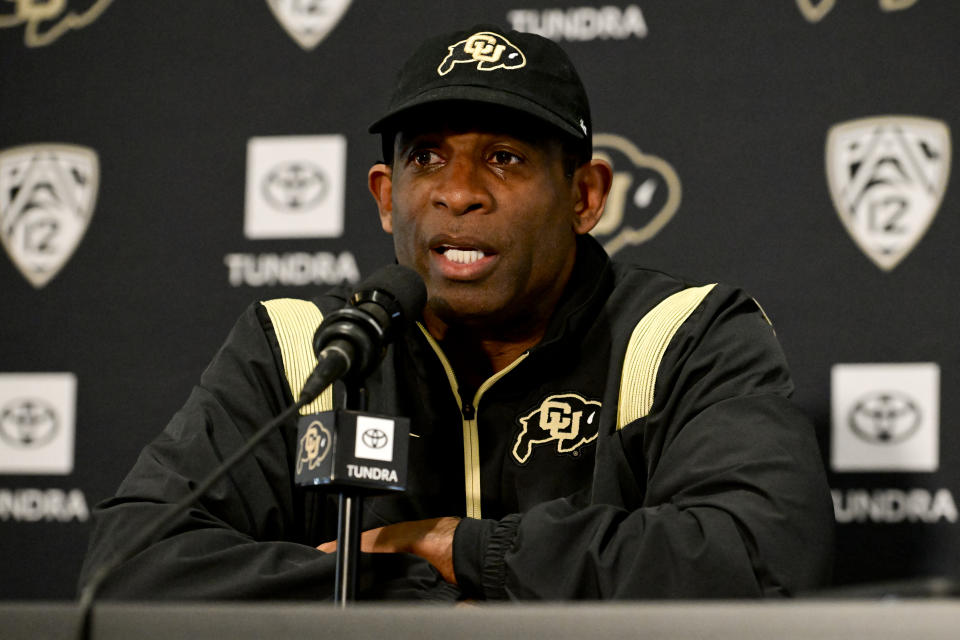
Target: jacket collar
(591,282)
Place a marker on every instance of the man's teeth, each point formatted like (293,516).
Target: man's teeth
(463,256)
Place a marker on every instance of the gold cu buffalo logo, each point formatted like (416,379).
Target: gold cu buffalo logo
(887,177)
(816,10)
(644,196)
(567,419)
(487,50)
(47,20)
(314,446)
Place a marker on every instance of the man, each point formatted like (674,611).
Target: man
(585,429)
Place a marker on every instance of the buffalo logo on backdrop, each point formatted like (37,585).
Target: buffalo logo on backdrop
(47,20)
(581,24)
(374,439)
(37,423)
(885,417)
(816,10)
(314,446)
(308,21)
(487,50)
(887,176)
(567,419)
(47,196)
(644,196)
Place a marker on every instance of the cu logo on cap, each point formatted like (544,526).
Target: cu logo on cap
(374,438)
(885,417)
(485,49)
(483,46)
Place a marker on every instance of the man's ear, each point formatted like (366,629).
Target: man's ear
(380,183)
(591,184)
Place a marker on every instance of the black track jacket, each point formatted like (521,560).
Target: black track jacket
(646,448)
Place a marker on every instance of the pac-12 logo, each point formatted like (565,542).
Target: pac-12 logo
(308,21)
(487,50)
(47,193)
(567,419)
(644,196)
(887,176)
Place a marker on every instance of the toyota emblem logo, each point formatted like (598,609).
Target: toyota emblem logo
(374,438)
(885,417)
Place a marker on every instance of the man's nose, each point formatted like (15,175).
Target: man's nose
(461,188)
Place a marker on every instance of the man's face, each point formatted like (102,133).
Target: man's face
(486,218)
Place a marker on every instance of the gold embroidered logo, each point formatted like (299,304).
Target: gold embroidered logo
(47,20)
(314,446)
(568,419)
(887,177)
(644,196)
(487,50)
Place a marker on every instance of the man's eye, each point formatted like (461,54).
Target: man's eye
(505,157)
(423,157)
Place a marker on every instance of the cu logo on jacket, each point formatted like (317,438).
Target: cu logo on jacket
(567,419)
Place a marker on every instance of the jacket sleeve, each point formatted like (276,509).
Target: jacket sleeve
(730,496)
(251,535)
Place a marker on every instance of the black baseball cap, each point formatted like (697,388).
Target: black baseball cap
(521,71)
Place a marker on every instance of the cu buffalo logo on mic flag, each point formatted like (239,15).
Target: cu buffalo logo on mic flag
(314,445)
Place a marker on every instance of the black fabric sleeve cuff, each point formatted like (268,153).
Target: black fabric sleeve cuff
(479,547)
(469,543)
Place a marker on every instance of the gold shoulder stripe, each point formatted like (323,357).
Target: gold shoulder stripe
(294,322)
(648,343)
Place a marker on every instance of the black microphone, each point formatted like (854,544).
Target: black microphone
(350,342)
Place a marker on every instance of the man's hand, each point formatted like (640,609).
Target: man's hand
(431,539)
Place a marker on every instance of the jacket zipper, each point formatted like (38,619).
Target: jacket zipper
(468,414)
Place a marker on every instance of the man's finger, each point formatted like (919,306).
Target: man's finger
(368,543)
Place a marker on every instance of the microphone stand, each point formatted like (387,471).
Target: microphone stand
(348,520)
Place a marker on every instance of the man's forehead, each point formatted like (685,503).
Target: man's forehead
(455,118)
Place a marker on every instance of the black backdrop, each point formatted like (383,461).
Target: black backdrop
(716,112)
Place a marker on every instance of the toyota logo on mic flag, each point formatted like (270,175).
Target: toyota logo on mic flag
(374,438)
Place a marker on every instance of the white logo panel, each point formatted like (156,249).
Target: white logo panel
(37,423)
(295,187)
(885,417)
(374,439)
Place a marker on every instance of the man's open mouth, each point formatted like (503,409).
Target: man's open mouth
(460,255)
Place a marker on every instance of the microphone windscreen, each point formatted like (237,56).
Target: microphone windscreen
(401,283)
